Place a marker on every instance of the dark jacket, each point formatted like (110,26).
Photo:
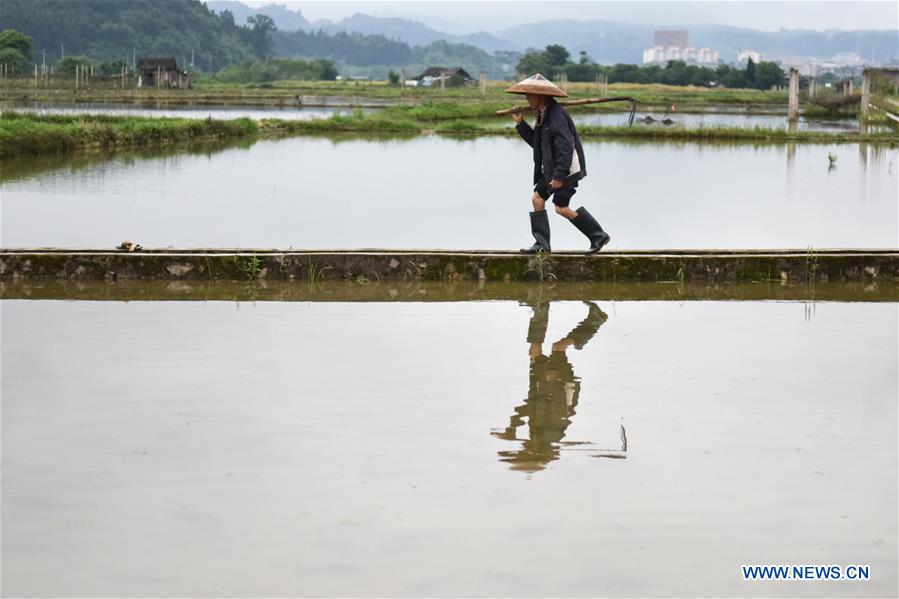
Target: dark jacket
(558,153)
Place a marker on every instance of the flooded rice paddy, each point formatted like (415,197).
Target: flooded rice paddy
(436,192)
(713,116)
(717,119)
(710,119)
(388,440)
(191,111)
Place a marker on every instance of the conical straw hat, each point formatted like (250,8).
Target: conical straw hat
(539,85)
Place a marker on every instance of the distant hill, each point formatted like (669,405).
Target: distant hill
(286,19)
(413,33)
(217,35)
(611,42)
(872,46)
(607,42)
(112,29)
(361,54)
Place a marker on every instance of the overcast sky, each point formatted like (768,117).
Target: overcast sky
(465,16)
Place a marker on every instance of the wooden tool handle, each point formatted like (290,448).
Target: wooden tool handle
(581,102)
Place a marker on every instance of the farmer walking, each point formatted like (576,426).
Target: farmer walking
(558,163)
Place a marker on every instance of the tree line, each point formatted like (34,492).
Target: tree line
(278,69)
(555,60)
(116,30)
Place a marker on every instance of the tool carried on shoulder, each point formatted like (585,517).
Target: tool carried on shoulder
(567,103)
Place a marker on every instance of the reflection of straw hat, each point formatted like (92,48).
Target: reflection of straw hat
(538,85)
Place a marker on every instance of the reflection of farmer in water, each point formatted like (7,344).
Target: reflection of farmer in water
(553,392)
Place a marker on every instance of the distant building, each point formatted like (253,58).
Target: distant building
(806,67)
(707,56)
(433,75)
(679,38)
(674,44)
(438,72)
(161,72)
(849,59)
(661,55)
(743,56)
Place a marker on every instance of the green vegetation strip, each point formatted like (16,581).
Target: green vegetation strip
(472,119)
(294,92)
(29,134)
(24,134)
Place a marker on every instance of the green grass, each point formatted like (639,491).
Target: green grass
(29,134)
(357,121)
(285,93)
(443,118)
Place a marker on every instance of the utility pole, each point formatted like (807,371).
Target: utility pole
(191,58)
(866,92)
(793,100)
(62,51)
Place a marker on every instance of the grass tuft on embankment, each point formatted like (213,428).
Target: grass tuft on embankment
(377,122)
(23,134)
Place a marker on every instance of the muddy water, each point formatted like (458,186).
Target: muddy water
(435,192)
(598,447)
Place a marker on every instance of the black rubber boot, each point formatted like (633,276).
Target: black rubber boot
(587,225)
(540,229)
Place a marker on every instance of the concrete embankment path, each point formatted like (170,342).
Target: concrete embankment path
(799,265)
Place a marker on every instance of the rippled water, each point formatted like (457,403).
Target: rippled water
(436,192)
(537,446)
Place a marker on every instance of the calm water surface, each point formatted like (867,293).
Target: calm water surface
(532,447)
(718,117)
(184,111)
(696,120)
(435,192)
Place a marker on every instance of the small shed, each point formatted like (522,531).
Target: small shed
(437,73)
(162,72)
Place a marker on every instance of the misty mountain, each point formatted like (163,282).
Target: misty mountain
(606,42)
(413,33)
(285,19)
(875,46)
(610,42)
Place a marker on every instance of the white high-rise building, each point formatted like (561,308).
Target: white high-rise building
(743,56)
(706,56)
(651,55)
(674,53)
(674,45)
